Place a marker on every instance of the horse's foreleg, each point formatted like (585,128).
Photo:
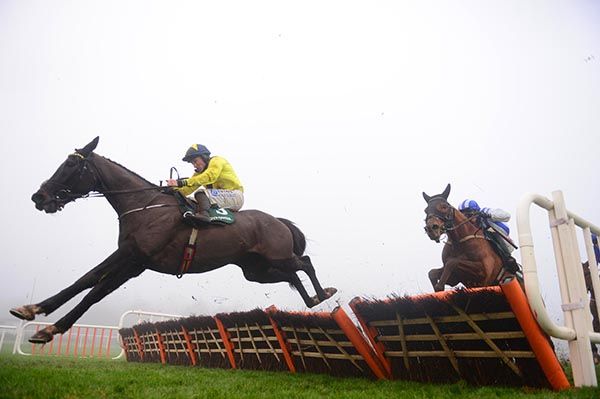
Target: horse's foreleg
(107,284)
(88,280)
(449,274)
(434,277)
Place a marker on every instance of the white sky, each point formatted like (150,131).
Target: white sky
(335,114)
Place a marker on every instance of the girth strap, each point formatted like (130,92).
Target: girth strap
(189,251)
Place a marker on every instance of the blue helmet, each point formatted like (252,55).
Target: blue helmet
(469,204)
(196,150)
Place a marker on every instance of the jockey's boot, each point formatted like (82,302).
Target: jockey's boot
(511,264)
(201,214)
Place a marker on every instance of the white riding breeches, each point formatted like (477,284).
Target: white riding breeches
(228,199)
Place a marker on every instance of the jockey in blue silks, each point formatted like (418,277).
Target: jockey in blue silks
(492,222)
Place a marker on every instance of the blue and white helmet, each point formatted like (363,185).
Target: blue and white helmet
(469,204)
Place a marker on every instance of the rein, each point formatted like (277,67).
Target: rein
(461,223)
(98,181)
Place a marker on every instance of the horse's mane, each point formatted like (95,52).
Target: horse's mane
(127,169)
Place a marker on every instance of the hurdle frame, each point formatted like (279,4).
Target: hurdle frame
(578,329)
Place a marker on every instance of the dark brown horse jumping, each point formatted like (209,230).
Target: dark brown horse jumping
(152,236)
(467,257)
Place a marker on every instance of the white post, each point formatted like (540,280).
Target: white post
(574,294)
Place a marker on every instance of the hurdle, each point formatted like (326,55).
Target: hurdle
(577,329)
(476,335)
(271,340)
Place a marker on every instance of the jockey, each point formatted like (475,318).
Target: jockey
(213,183)
(495,230)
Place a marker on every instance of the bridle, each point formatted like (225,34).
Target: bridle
(448,220)
(64,194)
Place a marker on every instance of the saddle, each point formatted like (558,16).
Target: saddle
(500,243)
(218,216)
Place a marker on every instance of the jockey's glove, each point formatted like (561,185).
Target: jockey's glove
(181,182)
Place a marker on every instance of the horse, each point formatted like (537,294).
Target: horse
(593,307)
(467,257)
(152,236)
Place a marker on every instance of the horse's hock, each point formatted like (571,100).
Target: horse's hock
(485,336)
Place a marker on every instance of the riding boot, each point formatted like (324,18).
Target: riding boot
(510,263)
(201,214)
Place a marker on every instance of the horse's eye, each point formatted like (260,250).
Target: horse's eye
(435,227)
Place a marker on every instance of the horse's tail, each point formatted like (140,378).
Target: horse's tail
(298,236)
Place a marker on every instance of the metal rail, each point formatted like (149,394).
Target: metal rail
(575,299)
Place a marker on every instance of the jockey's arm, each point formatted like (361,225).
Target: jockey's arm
(496,215)
(206,177)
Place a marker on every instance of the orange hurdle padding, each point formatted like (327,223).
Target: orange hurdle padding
(371,333)
(161,347)
(348,327)
(226,341)
(190,346)
(138,342)
(535,336)
(283,344)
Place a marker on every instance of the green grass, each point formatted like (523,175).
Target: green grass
(44,377)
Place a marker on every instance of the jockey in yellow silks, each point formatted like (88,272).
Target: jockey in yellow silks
(214,182)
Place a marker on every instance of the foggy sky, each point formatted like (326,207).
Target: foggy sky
(335,114)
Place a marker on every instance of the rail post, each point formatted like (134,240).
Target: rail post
(575,300)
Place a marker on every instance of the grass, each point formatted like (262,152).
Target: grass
(46,377)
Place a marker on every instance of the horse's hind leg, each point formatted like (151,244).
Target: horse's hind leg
(308,268)
(273,275)
(107,284)
(88,280)
(303,263)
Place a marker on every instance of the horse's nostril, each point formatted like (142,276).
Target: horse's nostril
(37,197)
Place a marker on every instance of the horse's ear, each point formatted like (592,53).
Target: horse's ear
(87,150)
(446,192)
(427,197)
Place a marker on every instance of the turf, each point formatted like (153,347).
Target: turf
(44,377)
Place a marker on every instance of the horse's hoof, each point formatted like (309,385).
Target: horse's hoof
(329,292)
(26,312)
(43,336)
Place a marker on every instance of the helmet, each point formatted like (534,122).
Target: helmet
(196,150)
(469,204)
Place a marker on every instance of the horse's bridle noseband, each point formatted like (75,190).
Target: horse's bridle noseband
(448,219)
(63,193)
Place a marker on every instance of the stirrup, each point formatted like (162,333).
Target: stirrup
(196,217)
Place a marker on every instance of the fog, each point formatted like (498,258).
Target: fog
(336,115)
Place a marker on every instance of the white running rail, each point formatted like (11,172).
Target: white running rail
(82,340)
(3,331)
(575,299)
(143,315)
